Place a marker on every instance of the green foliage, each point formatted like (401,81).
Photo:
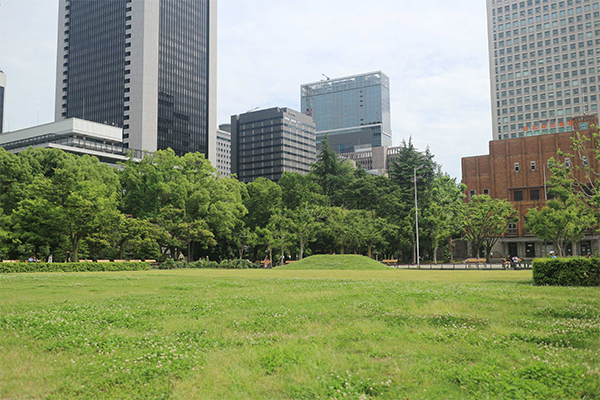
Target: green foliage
(206,264)
(576,271)
(11,268)
(331,173)
(485,221)
(561,221)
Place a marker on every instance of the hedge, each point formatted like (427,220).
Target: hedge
(576,271)
(10,268)
(205,264)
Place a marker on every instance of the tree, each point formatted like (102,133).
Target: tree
(580,177)
(77,198)
(485,221)
(304,223)
(561,222)
(331,173)
(444,214)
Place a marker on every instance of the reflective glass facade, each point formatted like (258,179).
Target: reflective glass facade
(351,102)
(145,66)
(95,61)
(183,76)
(1,109)
(544,64)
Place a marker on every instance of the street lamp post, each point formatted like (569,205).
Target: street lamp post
(417,220)
(189,246)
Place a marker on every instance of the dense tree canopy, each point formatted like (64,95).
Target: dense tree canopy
(53,202)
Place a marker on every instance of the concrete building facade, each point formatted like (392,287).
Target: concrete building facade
(353,111)
(544,64)
(376,161)
(2,99)
(146,66)
(267,143)
(517,170)
(224,150)
(75,136)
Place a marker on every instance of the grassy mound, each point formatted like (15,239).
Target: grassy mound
(340,262)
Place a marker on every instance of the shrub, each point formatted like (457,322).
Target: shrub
(576,271)
(237,264)
(22,267)
(204,264)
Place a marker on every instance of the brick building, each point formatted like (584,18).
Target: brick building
(516,170)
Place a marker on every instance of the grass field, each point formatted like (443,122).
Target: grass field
(336,262)
(281,334)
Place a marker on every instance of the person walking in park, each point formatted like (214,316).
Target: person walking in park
(181,257)
(68,256)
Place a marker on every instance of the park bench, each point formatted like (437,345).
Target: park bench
(103,261)
(10,261)
(474,261)
(119,261)
(289,262)
(134,260)
(390,262)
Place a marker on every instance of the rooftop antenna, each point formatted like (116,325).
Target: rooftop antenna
(326,77)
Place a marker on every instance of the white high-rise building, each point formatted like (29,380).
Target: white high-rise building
(147,66)
(544,64)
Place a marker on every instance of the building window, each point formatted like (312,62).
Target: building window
(533,166)
(471,194)
(586,163)
(517,167)
(534,195)
(518,195)
(567,162)
(486,192)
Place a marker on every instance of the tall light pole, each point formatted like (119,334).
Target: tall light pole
(417,220)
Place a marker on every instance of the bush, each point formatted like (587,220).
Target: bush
(22,267)
(206,264)
(576,271)
(237,264)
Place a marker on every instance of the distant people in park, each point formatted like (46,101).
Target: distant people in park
(508,261)
(32,259)
(515,261)
(68,256)
(181,257)
(552,254)
(267,262)
(50,259)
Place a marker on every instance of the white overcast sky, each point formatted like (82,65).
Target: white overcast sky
(435,53)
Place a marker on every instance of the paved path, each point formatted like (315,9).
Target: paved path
(460,266)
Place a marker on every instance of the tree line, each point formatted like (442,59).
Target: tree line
(52,202)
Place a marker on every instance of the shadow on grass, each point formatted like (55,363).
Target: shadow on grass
(525,282)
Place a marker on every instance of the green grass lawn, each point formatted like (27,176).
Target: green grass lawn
(339,262)
(280,334)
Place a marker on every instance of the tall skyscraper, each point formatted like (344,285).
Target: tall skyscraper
(267,143)
(544,64)
(354,111)
(148,66)
(2,96)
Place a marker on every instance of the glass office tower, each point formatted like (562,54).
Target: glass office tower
(148,66)
(544,64)
(354,111)
(2,90)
